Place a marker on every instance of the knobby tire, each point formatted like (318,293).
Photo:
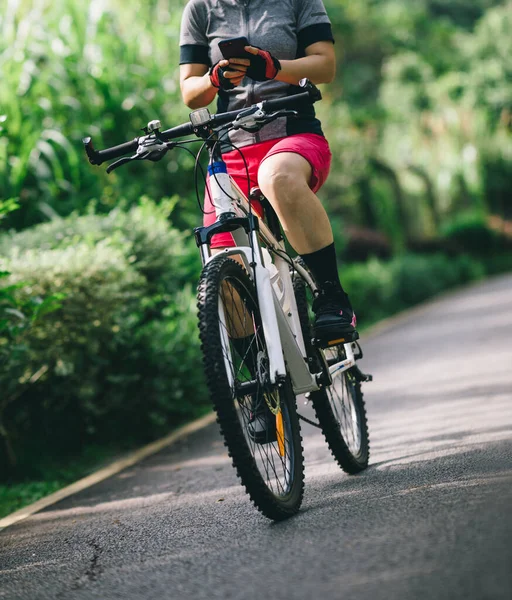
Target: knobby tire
(219,273)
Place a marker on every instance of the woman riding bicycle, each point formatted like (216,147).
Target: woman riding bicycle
(288,159)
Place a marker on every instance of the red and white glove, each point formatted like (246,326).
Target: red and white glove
(218,79)
(264,66)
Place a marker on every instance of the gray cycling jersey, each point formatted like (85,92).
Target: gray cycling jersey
(283,27)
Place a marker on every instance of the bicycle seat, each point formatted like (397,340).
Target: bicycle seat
(256,194)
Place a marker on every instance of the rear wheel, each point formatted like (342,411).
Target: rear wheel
(339,407)
(269,461)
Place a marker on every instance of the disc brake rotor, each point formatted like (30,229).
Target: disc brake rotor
(270,395)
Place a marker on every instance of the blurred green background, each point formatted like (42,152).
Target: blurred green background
(98,342)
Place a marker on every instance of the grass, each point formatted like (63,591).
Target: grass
(16,495)
(54,476)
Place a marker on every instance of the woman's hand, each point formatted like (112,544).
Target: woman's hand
(263,66)
(238,66)
(199,85)
(319,65)
(228,74)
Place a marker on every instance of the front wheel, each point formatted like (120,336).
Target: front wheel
(258,420)
(339,407)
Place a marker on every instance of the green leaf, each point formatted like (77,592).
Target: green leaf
(16,313)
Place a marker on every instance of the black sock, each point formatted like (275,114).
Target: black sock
(324,268)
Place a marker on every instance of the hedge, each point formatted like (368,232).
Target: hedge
(119,358)
(379,288)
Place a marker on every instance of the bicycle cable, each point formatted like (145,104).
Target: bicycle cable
(246,167)
(219,132)
(205,178)
(182,147)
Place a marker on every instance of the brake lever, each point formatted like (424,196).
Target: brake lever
(147,150)
(282,113)
(122,161)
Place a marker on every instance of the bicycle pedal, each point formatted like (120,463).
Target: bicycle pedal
(360,376)
(326,343)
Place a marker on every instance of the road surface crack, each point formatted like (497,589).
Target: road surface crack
(92,572)
(94,568)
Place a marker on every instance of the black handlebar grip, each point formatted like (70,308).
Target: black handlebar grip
(92,154)
(118,151)
(97,157)
(310,95)
(287,102)
(178,131)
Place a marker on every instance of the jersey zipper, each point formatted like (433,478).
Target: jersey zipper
(251,87)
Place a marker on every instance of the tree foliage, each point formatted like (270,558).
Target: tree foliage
(422,85)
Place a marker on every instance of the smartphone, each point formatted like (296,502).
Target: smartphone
(234,48)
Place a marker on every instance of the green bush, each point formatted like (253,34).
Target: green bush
(416,278)
(370,288)
(142,233)
(18,315)
(119,359)
(471,232)
(379,289)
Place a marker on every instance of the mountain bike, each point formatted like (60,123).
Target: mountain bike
(255,322)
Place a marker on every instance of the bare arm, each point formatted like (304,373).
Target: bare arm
(319,64)
(197,89)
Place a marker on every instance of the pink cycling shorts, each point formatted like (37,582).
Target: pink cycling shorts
(314,148)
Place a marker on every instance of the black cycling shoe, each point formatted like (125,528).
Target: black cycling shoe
(335,321)
(261,427)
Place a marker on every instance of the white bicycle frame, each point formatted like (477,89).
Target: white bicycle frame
(282,331)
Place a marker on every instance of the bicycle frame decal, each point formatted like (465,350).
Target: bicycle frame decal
(339,368)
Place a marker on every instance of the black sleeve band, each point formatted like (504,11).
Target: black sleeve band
(321,32)
(193,54)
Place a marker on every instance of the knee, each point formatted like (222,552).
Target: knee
(276,181)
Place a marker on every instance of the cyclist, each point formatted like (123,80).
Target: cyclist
(288,159)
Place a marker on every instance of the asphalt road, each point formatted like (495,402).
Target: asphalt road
(430,518)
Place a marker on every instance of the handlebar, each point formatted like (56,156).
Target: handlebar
(98,157)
